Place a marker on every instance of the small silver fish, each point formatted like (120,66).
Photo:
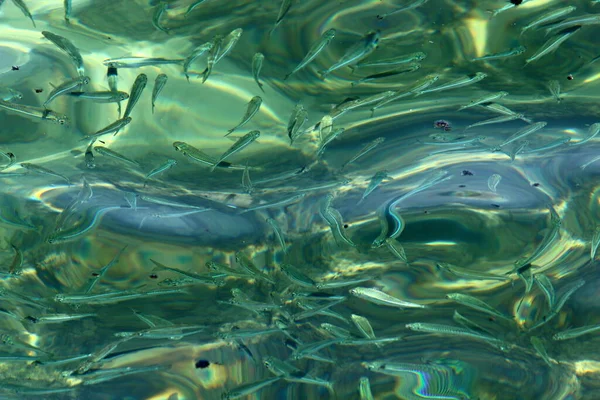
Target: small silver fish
(238,146)
(314,51)
(137,62)
(212,56)
(356,52)
(66,87)
(158,13)
(44,171)
(110,128)
(101,97)
(68,47)
(251,110)
(136,92)
(170,163)
(23,7)
(159,84)
(257,63)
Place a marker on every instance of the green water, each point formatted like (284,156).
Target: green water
(542,215)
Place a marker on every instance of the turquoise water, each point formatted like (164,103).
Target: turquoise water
(106,287)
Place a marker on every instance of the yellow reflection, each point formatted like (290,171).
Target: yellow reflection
(592,78)
(440,243)
(587,367)
(477,28)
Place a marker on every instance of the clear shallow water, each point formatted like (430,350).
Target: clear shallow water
(458,221)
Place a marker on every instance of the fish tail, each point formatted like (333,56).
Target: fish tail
(287,76)
(229,132)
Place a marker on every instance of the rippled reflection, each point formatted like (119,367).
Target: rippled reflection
(511,224)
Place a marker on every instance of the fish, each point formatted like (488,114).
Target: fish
(24,9)
(212,56)
(410,6)
(159,84)
(8,94)
(89,157)
(110,128)
(199,156)
(497,120)
(34,112)
(526,131)
(554,87)
(193,6)
(66,87)
(549,16)
(105,151)
(158,13)
(193,56)
(553,43)
(378,297)
(454,331)
(104,270)
(251,110)
(485,99)
(247,184)
(248,389)
(420,86)
(574,22)
(316,49)
(170,163)
(230,41)
(68,5)
(576,332)
(44,171)
(386,74)
(403,59)
(101,97)
(69,48)
(112,76)
(364,389)
(239,145)
(283,10)
(257,63)
(278,203)
(278,234)
(138,62)
(455,84)
(475,303)
(135,93)
(365,46)
(374,183)
(595,243)
(493,182)
(517,51)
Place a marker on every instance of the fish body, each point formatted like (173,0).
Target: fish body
(101,97)
(170,163)
(241,143)
(553,43)
(138,62)
(314,51)
(110,128)
(44,171)
(251,110)
(68,47)
(257,63)
(517,51)
(161,8)
(212,56)
(159,84)
(24,9)
(136,92)
(356,52)
(193,56)
(65,87)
